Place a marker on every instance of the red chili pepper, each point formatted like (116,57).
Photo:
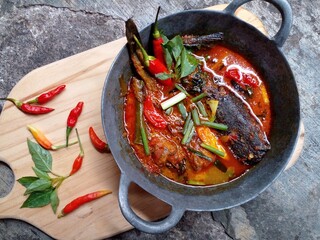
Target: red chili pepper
(77,163)
(76,203)
(242,78)
(47,96)
(157,41)
(72,119)
(28,108)
(100,145)
(250,80)
(151,113)
(155,66)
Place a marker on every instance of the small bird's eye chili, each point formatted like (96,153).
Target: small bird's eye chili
(28,108)
(100,145)
(47,96)
(157,41)
(43,140)
(154,65)
(40,137)
(76,203)
(72,119)
(79,159)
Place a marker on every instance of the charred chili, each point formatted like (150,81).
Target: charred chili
(28,108)
(72,119)
(100,145)
(76,203)
(48,96)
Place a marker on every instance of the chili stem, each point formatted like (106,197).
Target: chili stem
(80,144)
(218,126)
(199,97)
(173,100)
(213,150)
(56,147)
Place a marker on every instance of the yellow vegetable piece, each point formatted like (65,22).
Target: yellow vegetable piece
(210,138)
(264,94)
(213,106)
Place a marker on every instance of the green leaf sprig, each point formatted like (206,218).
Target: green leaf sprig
(42,188)
(178,59)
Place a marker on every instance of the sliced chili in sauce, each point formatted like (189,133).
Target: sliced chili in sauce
(165,143)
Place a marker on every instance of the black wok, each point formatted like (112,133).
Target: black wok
(266,56)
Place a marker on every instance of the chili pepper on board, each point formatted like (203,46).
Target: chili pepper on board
(43,140)
(100,145)
(157,41)
(77,163)
(76,203)
(47,96)
(152,115)
(72,119)
(28,108)
(154,65)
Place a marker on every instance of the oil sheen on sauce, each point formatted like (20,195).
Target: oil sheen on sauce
(218,60)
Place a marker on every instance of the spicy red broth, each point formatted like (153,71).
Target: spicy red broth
(184,160)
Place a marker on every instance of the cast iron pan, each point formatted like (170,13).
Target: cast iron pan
(268,59)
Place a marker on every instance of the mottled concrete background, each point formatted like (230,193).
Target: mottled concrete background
(34,33)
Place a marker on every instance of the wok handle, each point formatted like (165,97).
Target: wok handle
(139,223)
(286,13)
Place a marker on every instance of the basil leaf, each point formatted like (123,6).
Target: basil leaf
(38,199)
(26,181)
(40,156)
(188,63)
(175,46)
(54,199)
(38,185)
(163,76)
(41,174)
(167,58)
(164,38)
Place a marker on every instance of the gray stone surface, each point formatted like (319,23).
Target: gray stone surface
(37,32)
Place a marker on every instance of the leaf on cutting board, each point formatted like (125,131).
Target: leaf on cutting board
(41,157)
(40,174)
(54,199)
(38,185)
(26,181)
(38,199)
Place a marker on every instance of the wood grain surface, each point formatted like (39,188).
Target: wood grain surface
(84,75)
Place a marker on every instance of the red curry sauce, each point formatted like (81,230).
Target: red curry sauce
(166,150)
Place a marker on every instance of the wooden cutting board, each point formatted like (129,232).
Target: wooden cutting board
(84,74)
